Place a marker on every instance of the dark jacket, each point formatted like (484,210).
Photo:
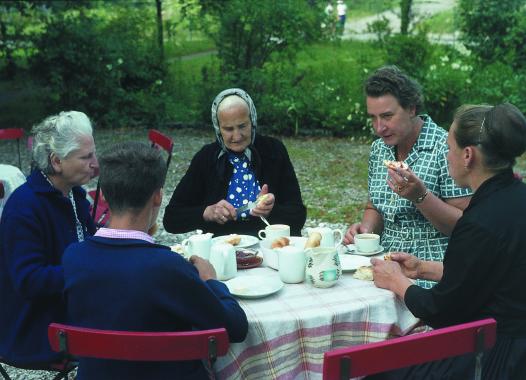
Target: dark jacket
(129,284)
(484,264)
(206,183)
(37,225)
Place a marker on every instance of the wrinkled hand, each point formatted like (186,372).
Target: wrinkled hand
(408,263)
(264,207)
(385,272)
(405,183)
(220,213)
(354,229)
(205,269)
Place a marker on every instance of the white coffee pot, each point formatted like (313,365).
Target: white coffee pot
(223,259)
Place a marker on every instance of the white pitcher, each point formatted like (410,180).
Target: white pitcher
(323,266)
(223,259)
(198,245)
(329,237)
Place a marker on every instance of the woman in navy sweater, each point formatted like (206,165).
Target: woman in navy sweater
(41,218)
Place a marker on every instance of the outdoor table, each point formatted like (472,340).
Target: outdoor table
(290,330)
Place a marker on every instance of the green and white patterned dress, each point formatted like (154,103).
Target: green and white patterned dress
(405,228)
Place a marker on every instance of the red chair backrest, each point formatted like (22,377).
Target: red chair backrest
(138,346)
(163,141)
(11,133)
(371,358)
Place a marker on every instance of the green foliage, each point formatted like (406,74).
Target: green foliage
(409,52)
(251,33)
(380,28)
(101,67)
(487,23)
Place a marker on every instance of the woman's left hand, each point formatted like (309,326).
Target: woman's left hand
(264,207)
(405,183)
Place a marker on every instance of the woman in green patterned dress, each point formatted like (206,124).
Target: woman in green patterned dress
(415,209)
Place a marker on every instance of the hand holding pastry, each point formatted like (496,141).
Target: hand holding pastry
(265,203)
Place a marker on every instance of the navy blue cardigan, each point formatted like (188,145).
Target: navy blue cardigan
(37,225)
(128,284)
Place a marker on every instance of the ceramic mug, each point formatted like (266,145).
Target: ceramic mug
(367,242)
(223,259)
(329,237)
(291,264)
(274,231)
(323,266)
(198,245)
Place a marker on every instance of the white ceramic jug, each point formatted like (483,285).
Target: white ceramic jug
(223,259)
(198,245)
(329,237)
(323,266)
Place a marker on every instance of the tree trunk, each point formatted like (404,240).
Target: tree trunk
(159,4)
(405,15)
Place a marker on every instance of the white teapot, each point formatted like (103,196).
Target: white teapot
(323,266)
(329,237)
(223,259)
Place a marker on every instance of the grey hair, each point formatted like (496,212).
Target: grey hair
(216,107)
(59,134)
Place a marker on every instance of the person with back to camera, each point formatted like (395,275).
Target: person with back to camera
(414,208)
(484,264)
(238,168)
(120,279)
(41,218)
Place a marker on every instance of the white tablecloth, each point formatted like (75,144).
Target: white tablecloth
(11,177)
(289,331)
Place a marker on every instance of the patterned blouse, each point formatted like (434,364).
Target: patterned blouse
(405,228)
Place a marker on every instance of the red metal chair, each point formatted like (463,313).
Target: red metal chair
(100,211)
(13,134)
(160,140)
(138,346)
(372,358)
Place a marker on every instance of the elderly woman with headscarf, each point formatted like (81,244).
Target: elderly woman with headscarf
(41,218)
(226,176)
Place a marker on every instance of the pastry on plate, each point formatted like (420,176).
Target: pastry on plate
(313,241)
(233,239)
(280,242)
(364,273)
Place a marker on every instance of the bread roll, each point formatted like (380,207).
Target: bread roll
(387,257)
(233,239)
(313,241)
(364,273)
(396,165)
(280,242)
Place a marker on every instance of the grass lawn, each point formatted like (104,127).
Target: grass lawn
(443,22)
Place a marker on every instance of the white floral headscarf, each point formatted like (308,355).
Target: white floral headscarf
(252,110)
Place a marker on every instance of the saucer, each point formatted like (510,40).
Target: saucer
(352,249)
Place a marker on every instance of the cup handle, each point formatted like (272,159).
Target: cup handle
(264,234)
(338,239)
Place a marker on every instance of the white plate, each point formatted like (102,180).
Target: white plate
(352,262)
(353,250)
(246,240)
(254,286)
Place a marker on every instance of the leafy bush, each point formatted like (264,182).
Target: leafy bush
(100,67)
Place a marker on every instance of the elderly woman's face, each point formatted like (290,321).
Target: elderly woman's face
(235,127)
(79,166)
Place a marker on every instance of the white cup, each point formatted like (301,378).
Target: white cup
(329,237)
(198,245)
(274,231)
(223,259)
(367,242)
(291,264)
